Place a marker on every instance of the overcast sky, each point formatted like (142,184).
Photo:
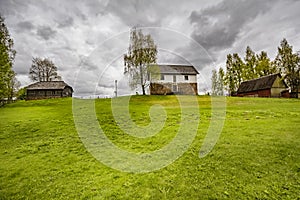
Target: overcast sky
(87,39)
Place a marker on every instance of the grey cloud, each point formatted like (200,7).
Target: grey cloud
(66,22)
(136,13)
(106,85)
(87,64)
(46,32)
(221,27)
(218,27)
(25,25)
(12,7)
(96,7)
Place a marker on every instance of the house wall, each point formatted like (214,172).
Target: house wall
(170,88)
(259,93)
(168,78)
(43,94)
(277,87)
(67,92)
(285,94)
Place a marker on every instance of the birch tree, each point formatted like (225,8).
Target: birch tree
(142,54)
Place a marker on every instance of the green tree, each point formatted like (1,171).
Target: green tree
(7,55)
(238,70)
(229,79)
(234,72)
(220,82)
(249,71)
(21,94)
(43,69)
(217,82)
(142,53)
(214,83)
(264,65)
(13,87)
(289,65)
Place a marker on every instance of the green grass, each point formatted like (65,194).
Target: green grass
(256,157)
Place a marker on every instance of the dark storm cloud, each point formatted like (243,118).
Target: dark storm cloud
(46,32)
(218,27)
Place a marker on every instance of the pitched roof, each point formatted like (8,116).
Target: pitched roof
(50,85)
(177,69)
(265,82)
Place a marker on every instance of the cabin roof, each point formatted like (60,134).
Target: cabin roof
(262,83)
(178,69)
(50,85)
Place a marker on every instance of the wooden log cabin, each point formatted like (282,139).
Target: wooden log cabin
(48,89)
(267,86)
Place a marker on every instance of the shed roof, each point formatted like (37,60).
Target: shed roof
(50,85)
(177,69)
(262,83)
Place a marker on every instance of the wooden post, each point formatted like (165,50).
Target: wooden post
(116,88)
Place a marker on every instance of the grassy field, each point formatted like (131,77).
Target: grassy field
(256,157)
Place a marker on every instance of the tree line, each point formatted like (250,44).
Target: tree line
(253,65)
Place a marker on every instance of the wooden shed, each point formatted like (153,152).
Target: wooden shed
(266,86)
(48,89)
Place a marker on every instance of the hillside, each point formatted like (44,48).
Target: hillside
(256,156)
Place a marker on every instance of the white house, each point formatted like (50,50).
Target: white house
(173,79)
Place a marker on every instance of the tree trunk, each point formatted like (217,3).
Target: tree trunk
(143,89)
(142,79)
(297,90)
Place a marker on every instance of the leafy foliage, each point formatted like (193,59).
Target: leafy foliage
(220,87)
(235,72)
(249,71)
(142,53)
(254,66)
(264,66)
(217,82)
(289,65)
(214,82)
(21,95)
(7,55)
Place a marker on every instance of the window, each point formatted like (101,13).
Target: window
(186,77)
(174,78)
(162,77)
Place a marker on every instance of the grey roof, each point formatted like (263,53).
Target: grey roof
(177,69)
(262,83)
(48,85)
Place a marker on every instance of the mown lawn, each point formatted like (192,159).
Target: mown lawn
(256,157)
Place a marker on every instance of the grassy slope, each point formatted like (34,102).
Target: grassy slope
(257,155)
